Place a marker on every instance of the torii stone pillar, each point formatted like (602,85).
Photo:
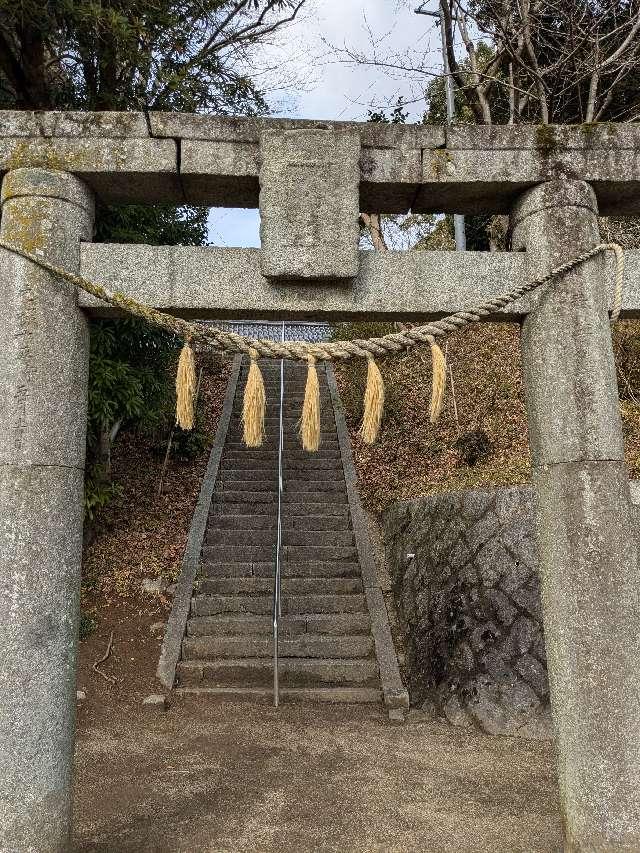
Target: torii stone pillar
(588,548)
(43,410)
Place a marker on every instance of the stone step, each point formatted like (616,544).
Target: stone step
(331,695)
(249,521)
(291,443)
(268,484)
(253,672)
(290,419)
(334,538)
(292,383)
(261,646)
(289,626)
(208,605)
(270,463)
(270,474)
(292,405)
(254,585)
(210,569)
(315,522)
(299,553)
(294,453)
(264,496)
(306,569)
(300,484)
(291,433)
(296,505)
(240,553)
(270,369)
(222,508)
(215,536)
(309,471)
(320,569)
(233,473)
(223,505)
(291,413)
(290,450)
(242,522)
(291,402)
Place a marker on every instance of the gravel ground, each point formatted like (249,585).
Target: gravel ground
(245,777)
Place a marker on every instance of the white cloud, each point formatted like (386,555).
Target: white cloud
(335,89)
(339,89)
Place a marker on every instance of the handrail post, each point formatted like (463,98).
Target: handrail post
(277,606)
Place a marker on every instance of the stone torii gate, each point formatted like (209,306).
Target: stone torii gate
(311,180)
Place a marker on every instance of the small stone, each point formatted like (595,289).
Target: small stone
(463,657)
(154,586)
(496,666)
(487,708)
(157,627)
(502,607)
(81,695)
(534,674)
(521,637)
(518,575)
(528,598)
(396,716)
(429,708)
(484,635)
(456,714)
(538,726)
(155,702)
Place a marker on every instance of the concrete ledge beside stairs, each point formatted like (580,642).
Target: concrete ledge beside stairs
(394,692)
(177,622)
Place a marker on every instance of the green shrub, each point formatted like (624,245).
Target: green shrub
(98,491)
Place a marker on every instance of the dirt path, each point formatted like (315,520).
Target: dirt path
(243,777)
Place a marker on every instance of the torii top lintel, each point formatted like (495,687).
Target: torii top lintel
(312,178)
(216,160)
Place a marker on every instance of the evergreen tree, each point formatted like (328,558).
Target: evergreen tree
(193,56)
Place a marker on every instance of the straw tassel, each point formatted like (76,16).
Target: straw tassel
(186,387)
(253,405)
(439,382)
(310,419)
(373,403)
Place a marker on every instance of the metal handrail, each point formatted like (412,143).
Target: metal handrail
(277,603)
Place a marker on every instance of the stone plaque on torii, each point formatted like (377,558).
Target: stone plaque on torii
(311,180)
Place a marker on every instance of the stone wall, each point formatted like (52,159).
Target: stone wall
(464,568)
(469,599)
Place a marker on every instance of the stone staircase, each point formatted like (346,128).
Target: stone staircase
(327,649)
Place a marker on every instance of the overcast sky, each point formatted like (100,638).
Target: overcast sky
(326,86)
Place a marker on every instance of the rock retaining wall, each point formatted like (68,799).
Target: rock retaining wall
(464,568)
(469,598)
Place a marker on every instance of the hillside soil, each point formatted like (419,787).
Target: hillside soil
(481,436)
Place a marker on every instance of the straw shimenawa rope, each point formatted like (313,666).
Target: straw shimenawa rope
(396,342)
(438,383)
(373,403)
(310,419)
(186,387)
(254,404)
